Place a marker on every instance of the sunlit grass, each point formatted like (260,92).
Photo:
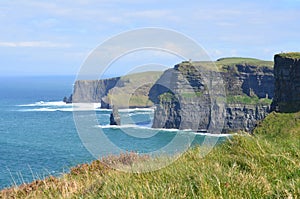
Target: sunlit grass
(292,55)
(245,99)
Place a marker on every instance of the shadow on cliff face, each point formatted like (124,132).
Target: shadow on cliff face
(162,85)
(182,100)
(287,83)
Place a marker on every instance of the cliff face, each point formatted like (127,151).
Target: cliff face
(92,91)
(287,82)
(183,99)
(244,117)
(126,91)
(250,80)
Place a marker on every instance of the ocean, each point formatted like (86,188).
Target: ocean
(38,135)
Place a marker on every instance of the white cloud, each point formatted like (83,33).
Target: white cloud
(39,44)
(150,13)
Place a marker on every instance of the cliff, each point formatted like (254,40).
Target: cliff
(287,82)
(183,100)
(124,92)
(92,90)
(182,96)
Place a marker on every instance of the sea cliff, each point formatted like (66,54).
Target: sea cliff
(92,90)
(183,99)
(183,95)
(287,82)
(130,91)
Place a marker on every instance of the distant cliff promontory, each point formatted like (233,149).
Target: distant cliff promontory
(124,92)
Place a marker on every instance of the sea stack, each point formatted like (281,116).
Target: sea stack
(115,117)
(287,83)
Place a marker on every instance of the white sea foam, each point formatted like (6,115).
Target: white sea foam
(46,110)
(104,126)
(124,126)
(214,135)
(59,106)
(42,103)
(139,113)
(137,110)
(86,106)
(161,129)
(62,106)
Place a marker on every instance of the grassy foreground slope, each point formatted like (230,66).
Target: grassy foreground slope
(266,165)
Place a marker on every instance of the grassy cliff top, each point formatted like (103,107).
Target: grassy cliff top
(223,64)
(243,61)
(132,90)
(142,76)
(262,166)
(292,55)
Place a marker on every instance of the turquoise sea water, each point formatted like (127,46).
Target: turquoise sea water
(38,136)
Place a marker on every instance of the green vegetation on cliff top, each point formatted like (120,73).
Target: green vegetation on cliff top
(225,64)
(266,165)
(292,55)
(245,99)
(244,61)
(132,90)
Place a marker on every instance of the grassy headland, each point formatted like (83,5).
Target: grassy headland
(266,165)
(230,64)
(231,61)
(292,55)
(132,90)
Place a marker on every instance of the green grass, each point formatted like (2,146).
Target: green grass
(230,63)
(292,55)
(123,100)
(245,99)
(225,64)
(167,97)
(266,165)
(242,60)
(132,90)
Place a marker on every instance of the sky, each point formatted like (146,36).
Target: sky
(43,37)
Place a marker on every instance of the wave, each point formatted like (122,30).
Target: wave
(62,106)
(214,135)
(58,106)
(42,103)
(160,129)
(46,110)
(130,110)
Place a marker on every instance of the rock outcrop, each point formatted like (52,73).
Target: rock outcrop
(183,97)
(115,118)
(68,100)
(287,82)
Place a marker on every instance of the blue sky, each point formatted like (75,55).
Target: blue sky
(54,37)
